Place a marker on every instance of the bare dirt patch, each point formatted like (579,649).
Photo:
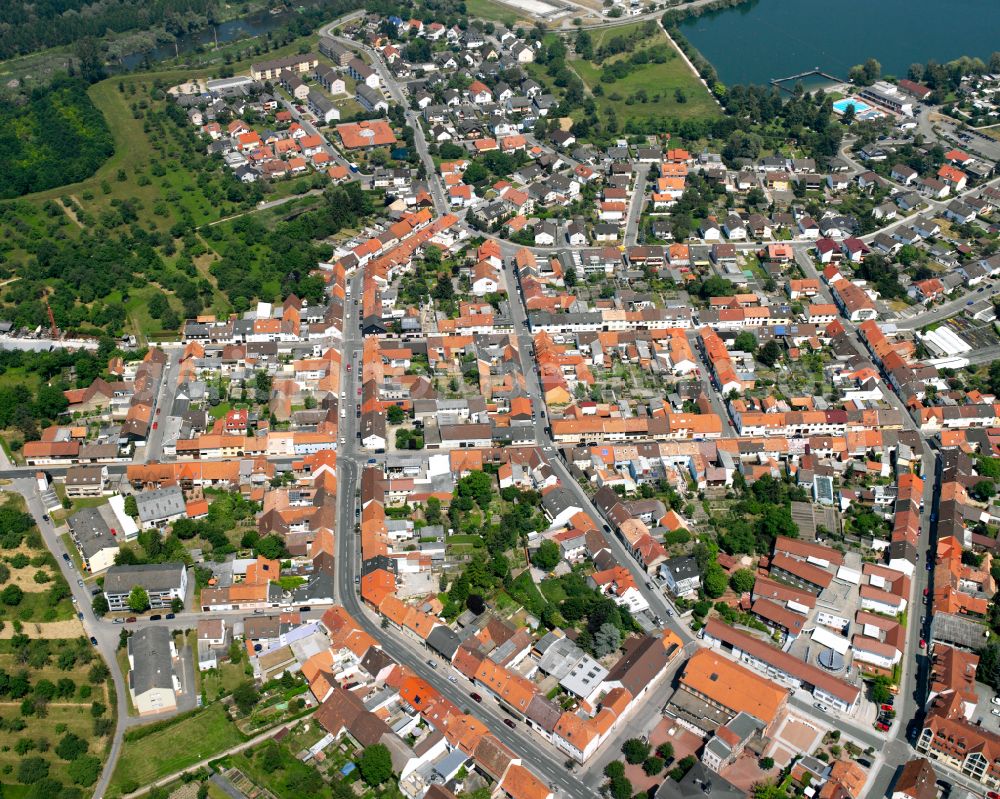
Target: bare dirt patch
(50,629)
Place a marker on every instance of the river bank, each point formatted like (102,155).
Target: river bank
(255,25)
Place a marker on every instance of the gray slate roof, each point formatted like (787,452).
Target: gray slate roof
(161,503)
(149,649)
(151,576)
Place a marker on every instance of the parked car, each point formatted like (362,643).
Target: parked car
(170,616)
(510,724)
(45,517)
(79,582)
(923,644)
(433,664)
(130,620)
(476,697)
(79,615)
(93,640)
(155,617)
(118,621)
(65,557)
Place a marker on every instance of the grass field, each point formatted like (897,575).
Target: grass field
(36,606)
(62,716)
(222,680)
(602,35)
(73,718)
(553,591)
(660,82)
(498,12)
(17,376)
(196,737)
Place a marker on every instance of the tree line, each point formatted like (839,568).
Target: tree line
(29,25)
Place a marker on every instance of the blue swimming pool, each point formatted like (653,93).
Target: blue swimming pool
(860,107)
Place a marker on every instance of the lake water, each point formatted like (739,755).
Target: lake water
(767,39)
(257,24)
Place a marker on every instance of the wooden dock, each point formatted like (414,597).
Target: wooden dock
(815,72)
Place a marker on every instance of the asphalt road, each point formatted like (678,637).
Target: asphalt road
(540,756)
(654,598)
(396,94)
(913,684)
(635,205)
(164,400)
(107,637)
(704,372)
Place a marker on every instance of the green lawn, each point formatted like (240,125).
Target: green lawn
(487,9)
(553,591)
(659,81)
(75,504)
(461,538)
(121,656)
(193,738)
(222,680)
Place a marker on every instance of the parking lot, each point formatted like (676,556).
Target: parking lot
(987,714)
